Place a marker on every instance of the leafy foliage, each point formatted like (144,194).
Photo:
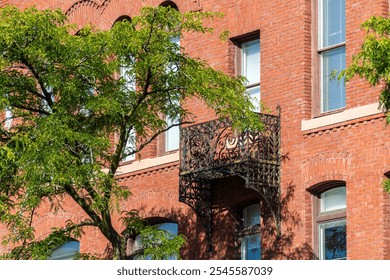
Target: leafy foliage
(67,99)
(373,62)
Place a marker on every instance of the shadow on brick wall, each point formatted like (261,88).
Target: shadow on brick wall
(283,246)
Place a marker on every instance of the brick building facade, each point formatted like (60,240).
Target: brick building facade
(334,150)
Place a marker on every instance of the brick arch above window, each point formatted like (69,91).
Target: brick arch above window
(118,9)
(331,166)
(84,12)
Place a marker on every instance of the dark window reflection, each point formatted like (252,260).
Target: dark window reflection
(334,240)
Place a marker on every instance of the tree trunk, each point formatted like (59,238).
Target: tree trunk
(118,247)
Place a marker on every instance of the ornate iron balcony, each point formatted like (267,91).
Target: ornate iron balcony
(214,150)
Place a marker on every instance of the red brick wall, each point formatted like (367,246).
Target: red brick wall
(356,152)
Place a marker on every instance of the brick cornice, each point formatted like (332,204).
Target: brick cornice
(344,125)
(172,166)
(342,119)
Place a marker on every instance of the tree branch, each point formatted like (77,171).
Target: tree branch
(83,204)
(156,135)
(30,109)
(46,94)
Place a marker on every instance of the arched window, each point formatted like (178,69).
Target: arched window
(66,252)
(137,250)
(169,4)
(250,234)
(330,227)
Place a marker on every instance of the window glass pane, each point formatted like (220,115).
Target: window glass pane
(333,90)
(333,199)
(333,22)
(250,247)
(333,240)
(250,243)
(44,103)
(83,111)
(66,251)
(175,40)
(130,146)
(128,76)
(252,215)
(172,228)
(254,93)
(172,136)
(251,61)
(8,118)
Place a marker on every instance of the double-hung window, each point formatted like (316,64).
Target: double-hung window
(172,135)
(330,223)
(331,49)
(250,69)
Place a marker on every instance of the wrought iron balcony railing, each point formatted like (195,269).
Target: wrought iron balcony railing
(214,150)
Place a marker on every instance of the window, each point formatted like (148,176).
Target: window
(129,85)
(330,223)
(169,227)
(45,106)
(130,146)
(331,37)
(129,78)
(250,69)
(250,235)
(8,118)
(172,136)
(66,252)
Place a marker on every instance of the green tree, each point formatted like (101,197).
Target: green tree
(66,99)
(373,63)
